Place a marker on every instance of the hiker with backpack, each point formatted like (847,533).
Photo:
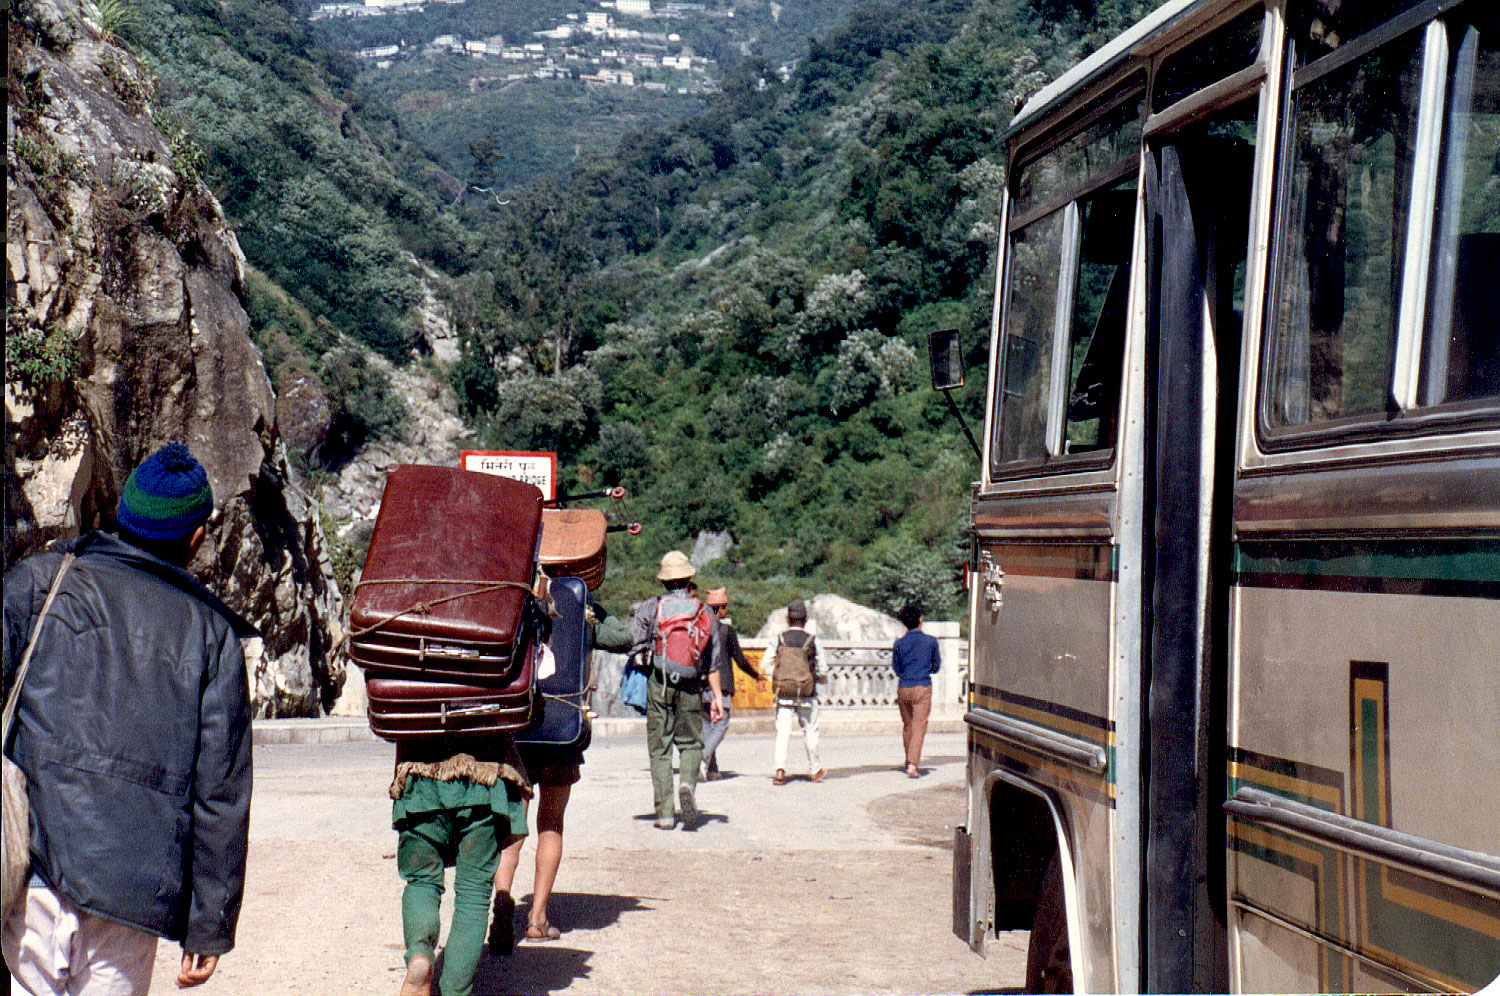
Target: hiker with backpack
(673,634)
(795,677)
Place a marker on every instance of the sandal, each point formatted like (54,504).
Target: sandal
(503,927)
(543,931)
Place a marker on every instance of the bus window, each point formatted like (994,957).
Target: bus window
(1035,262)
(1082,159)
(1462,360)
(1342,238)
(1097,346)
(1320,28)
(1222,53)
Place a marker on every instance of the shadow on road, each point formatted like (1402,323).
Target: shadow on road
(585,911)
(534,968)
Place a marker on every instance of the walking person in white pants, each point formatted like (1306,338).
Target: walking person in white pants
(794,676)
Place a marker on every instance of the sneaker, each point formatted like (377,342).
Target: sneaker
(713,775)
(688,806)
(820,774)
(780,778)
(665,824)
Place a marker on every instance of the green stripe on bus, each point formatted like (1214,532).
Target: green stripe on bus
(1445,560)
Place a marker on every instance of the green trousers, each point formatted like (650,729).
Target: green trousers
(468,839)
(672,717)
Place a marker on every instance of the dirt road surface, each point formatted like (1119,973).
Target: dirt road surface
(839,887)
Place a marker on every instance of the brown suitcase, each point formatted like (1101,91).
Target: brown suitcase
(446,582)
(573,544)
(403,709)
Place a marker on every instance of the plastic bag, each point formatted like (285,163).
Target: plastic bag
(633,689)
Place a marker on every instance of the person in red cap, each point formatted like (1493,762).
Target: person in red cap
(729,655)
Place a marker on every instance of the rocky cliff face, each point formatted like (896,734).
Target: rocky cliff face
(125,329)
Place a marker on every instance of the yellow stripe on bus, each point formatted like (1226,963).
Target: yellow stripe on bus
(1275,781)
(1037,717)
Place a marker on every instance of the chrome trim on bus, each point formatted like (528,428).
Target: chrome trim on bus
(1072,906)
(1456,866)
(1074,515)
(1062,324)
(1456,493)
(1203,103)
(991,382)
(1410,325)
(1059,746)
(1413,984)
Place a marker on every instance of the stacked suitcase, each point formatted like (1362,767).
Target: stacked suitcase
(564,721)
(443,621)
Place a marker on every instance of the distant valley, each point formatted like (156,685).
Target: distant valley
(503,93)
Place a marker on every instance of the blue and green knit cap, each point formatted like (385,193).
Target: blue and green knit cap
(167,496)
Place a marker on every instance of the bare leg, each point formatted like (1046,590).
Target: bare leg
(510,858)
(502,924)
(551,804)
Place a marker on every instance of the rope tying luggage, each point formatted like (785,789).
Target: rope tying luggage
(422,608)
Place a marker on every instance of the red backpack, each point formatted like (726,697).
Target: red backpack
(683,628)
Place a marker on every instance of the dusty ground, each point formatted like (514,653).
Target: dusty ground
(841,887)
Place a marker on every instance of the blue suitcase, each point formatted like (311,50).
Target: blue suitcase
(565,693)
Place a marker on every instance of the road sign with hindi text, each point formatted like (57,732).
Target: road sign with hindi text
(537,469)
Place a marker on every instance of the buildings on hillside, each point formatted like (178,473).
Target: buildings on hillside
(592,47)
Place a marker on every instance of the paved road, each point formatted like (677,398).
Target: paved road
(841,887)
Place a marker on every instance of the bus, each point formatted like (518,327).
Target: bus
(1233,707)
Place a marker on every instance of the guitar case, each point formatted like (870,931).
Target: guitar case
(566,691)
(573,544)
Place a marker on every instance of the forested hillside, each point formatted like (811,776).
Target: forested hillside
(343,221)
(729,315)
(726,314)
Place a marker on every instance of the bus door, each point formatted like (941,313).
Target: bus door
(1043,731)
(1199,208)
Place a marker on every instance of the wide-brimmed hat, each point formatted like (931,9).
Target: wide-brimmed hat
(717,596)
(675,566)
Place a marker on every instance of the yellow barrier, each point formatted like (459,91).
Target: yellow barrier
(749,693)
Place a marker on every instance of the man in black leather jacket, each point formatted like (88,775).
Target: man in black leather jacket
(133,730)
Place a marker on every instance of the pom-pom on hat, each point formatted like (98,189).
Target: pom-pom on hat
(167,496)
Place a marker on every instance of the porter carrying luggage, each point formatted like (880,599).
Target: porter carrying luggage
(565,692)
(443,620)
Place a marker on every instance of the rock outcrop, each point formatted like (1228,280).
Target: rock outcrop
(125,328)
(835,618)
(433,435)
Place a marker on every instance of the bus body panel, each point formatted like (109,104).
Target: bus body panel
(1027,644)
(1383,707)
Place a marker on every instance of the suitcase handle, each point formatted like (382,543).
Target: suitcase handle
(445,713)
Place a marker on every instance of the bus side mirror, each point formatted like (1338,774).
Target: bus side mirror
(946,355)
(945,352)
